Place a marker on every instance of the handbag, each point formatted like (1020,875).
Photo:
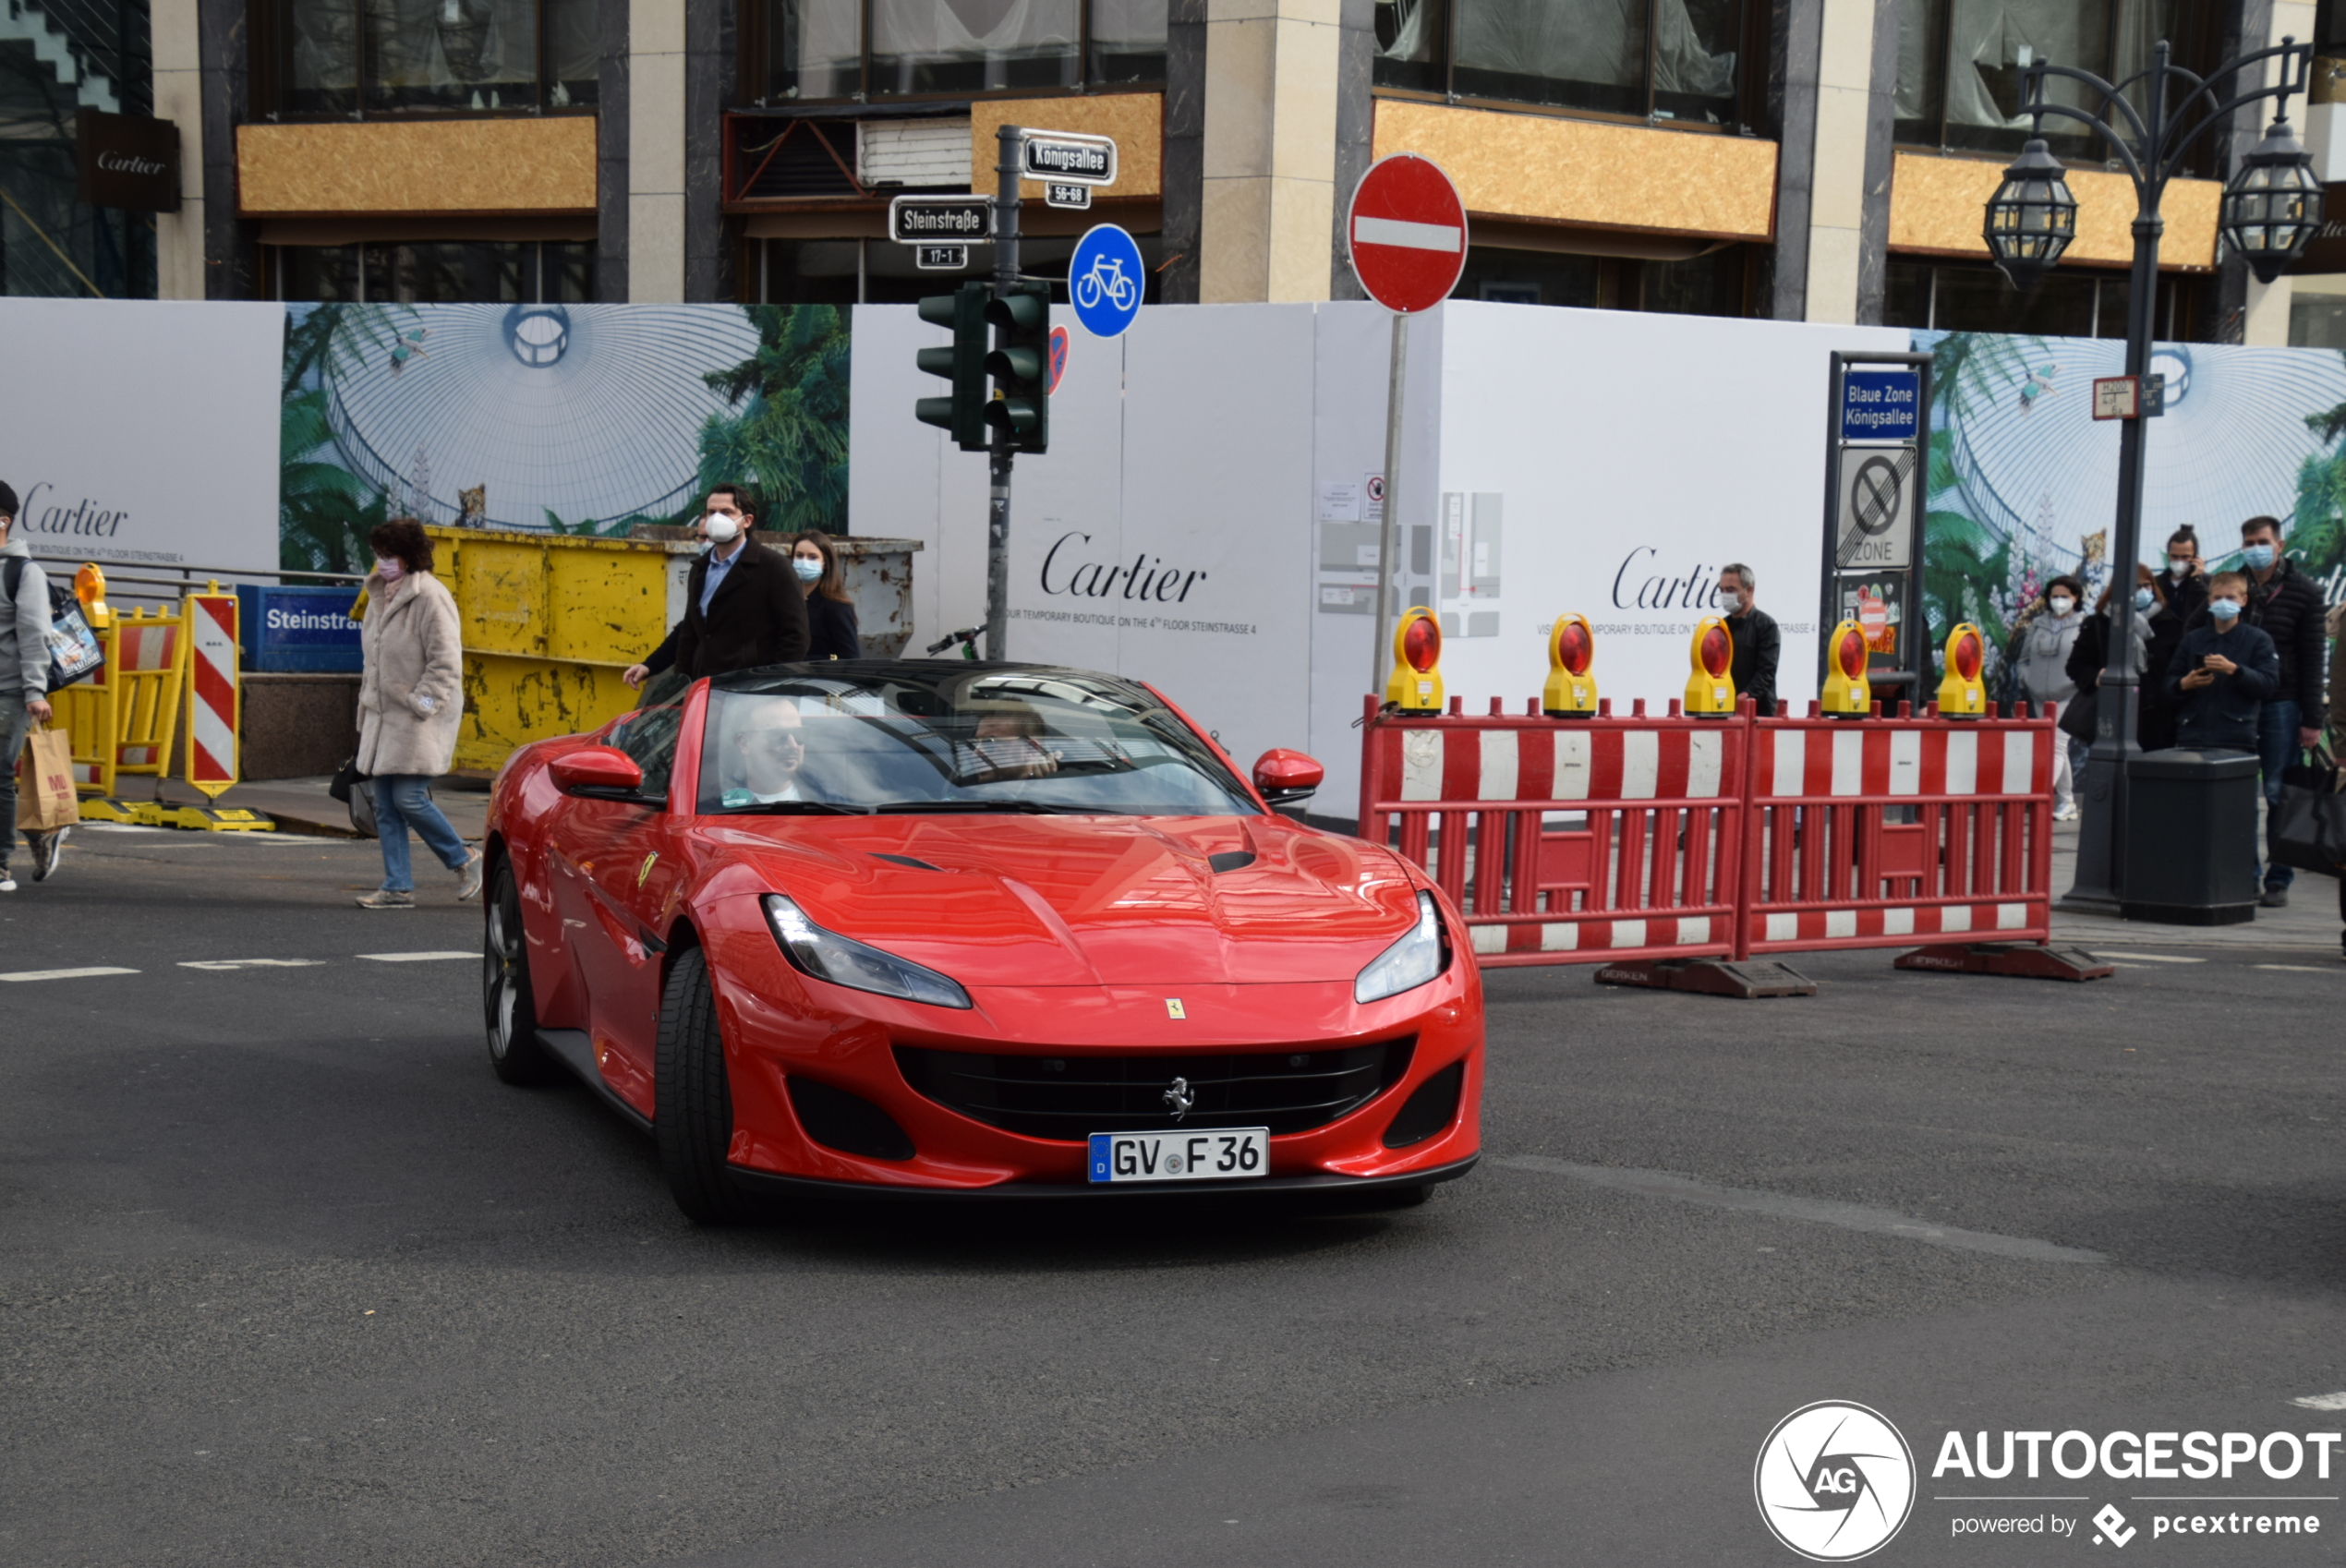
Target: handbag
(2308,828)
(75,653)
(2078,714)
(348,787)
(45,798)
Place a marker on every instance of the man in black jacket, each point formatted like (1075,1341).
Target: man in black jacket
(743,607)
(2288,608)
(1758,644)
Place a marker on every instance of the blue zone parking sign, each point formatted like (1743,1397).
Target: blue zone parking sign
(1105,281)
(1879,405)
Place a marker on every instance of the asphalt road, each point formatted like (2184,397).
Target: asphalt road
(289,1278)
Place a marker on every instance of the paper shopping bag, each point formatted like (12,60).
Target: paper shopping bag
(45,800)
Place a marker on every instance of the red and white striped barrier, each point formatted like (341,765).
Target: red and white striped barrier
(1650,838)
(212,691)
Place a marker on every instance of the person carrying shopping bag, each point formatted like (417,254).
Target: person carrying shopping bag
(410,702)
(24,687)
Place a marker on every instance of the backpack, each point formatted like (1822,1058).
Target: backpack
(75,653)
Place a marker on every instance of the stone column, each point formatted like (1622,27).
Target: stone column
(656,152)
(179,270)
(1270,149)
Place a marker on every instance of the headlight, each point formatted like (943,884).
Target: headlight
(826,955)
(1421,955)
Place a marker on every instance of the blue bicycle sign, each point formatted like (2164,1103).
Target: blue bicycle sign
(1105,280)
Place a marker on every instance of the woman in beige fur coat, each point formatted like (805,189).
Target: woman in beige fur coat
(410,700)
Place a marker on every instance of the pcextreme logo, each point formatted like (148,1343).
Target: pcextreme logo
(1834,1481)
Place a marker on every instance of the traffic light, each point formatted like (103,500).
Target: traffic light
(1020,366)
(963,364)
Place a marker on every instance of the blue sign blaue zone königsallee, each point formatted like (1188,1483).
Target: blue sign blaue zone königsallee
(1105,280)
(1879,405)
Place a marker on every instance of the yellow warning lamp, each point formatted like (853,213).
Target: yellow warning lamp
(1711,689)
(1571,691)
(89,587)
(1847,692)
(1416,683)
(1960,694)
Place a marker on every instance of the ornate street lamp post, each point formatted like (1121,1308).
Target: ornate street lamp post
(2271,209)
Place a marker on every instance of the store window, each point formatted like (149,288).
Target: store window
(826,49)
(1663,59)
(1711,284)
(51,243)
(436,273)
(2317,320)
(355,58)
(2071,302)
(1960,63)
(871,272)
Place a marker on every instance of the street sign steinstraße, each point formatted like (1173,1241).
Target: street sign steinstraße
(1407,231)
(926,220)
(1069,156)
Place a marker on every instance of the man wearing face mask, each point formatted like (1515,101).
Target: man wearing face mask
(1757,644)
(743,607)
(2286,605)
(2223,672)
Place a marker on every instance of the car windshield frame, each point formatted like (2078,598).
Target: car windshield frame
(939,737)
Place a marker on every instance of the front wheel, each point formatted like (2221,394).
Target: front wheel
(694,1107)
(507,1005)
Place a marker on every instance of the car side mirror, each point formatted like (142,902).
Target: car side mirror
(602,773)
(1287,777)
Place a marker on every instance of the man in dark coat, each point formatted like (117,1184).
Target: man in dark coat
(2286,605)
(1758,644)
(743,607)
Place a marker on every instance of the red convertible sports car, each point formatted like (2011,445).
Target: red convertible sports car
(970,928)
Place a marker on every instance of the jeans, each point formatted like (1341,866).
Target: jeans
(2078,752)
(403,801)
(2275,749)
(15,725)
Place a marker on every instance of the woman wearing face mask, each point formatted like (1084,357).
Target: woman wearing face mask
(2044,677)
(830,614)
(410,701)
(2156,632)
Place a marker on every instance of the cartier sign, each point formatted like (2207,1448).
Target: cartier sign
(128,161)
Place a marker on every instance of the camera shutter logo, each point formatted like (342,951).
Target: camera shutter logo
(1834,1481)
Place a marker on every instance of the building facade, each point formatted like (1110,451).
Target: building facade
(1817,160)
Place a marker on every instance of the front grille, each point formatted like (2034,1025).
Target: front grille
(1067,1098)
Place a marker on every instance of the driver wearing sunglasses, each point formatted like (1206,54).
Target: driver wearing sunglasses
(767,758)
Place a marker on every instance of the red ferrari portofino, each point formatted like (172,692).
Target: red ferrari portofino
(969,928)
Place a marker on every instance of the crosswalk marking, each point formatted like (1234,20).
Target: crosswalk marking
(64,973)
(414,958)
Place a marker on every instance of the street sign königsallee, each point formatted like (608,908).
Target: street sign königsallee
(1879,405)
(1065,155)
(916,219)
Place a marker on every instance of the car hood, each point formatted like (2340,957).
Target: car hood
(1066,901)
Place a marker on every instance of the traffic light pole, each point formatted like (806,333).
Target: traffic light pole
(1010,140)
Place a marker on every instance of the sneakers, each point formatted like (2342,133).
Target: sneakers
(46,848)
(468,877)
(7,883)
(2066,813)
(2275,898)
(384,899)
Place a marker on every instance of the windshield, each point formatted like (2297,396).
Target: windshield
(917,738)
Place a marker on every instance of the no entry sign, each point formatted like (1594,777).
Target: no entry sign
(1408,234)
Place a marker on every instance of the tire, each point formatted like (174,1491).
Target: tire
(694,1099)
(508,1007)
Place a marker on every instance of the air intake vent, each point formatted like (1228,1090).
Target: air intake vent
(1287,1089)
(802,158)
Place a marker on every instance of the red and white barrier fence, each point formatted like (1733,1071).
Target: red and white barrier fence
(1641,839)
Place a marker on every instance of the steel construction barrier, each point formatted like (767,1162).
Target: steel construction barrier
(1677,850)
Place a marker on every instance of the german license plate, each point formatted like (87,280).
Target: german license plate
(1223,1155)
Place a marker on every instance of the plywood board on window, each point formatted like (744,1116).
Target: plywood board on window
(419,167)
(1567,171)
(1135,119)
(1938,206)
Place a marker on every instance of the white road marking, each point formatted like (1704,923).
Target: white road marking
(414,958)
(2300,968)
(2322,1402)
(1818,1210)
(64,973)
(2162,958)
(250,963)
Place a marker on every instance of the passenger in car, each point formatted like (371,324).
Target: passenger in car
(1008,745)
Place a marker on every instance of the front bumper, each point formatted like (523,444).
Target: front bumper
(768,1184)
